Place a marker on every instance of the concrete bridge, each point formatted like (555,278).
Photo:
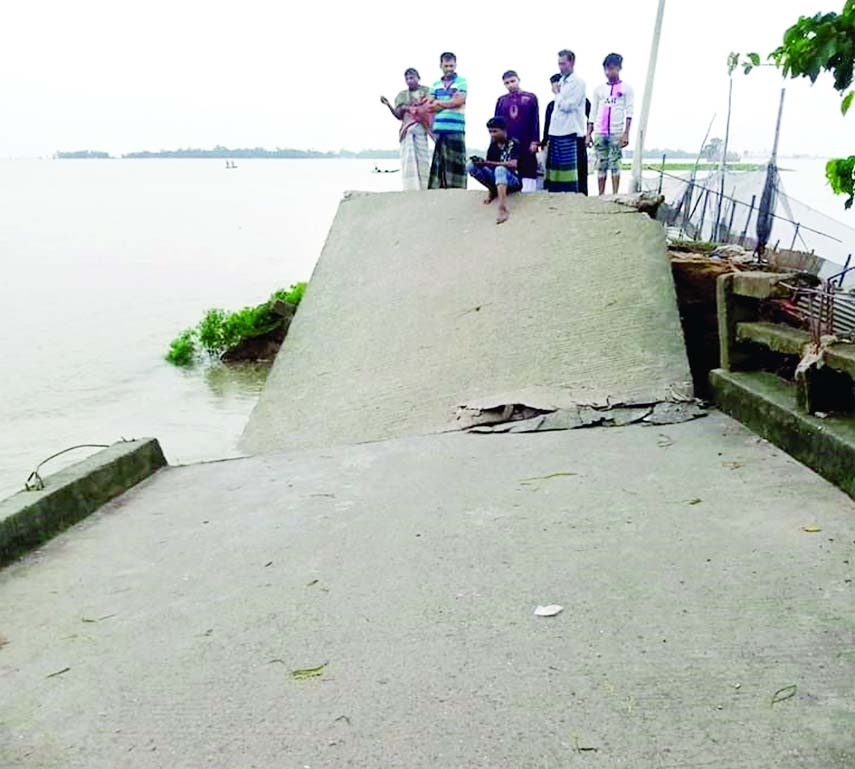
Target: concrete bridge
(362,591)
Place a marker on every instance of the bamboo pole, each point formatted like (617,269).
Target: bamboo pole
(722,169)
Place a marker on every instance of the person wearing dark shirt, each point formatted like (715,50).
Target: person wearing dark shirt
(522,116)
(554,86)
(582,148)
(498,172)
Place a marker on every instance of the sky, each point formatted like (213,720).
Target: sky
(120,76)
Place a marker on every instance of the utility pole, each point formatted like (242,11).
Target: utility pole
(648,96)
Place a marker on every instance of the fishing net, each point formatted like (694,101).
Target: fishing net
(756,213)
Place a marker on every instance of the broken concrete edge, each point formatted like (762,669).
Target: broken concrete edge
(767,405)
(30,518)
(755,284)
(559,403)
(525,419)
(642,202)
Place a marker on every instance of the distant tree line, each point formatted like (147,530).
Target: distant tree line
(82,155)
(260,152)
(655,152)
(711,152)
(224,152)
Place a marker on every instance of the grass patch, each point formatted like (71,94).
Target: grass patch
(220,330)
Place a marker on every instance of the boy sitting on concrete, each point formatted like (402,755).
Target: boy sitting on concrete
(498,173)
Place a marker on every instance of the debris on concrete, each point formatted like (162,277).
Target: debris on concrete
(549,477)
(642,202)
(553,610)
(675,413)
(58,673)
(303,673)
(786,693)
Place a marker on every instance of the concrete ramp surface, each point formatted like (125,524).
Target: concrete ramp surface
(702,626)
(420,303)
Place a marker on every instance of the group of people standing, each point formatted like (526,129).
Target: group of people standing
(572,124)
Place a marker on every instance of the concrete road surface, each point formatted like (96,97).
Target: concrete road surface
(702,625)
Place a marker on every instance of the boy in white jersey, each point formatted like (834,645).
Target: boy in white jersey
(611,117)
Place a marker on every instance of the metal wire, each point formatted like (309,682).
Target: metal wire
(825,310)
(35,482)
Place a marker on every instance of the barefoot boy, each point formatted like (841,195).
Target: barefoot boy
(498,173)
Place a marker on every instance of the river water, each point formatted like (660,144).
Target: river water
(104,262)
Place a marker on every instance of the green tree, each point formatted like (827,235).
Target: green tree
(815,44)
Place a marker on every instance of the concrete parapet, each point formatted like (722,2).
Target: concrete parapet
(767,405)
(29,518)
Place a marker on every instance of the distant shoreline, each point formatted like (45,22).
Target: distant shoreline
(224,153)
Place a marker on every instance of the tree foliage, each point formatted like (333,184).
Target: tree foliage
(824,42)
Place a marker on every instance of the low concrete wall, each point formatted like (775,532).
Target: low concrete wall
(29,518)
(767,405)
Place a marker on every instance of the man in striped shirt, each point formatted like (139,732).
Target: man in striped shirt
(448,169)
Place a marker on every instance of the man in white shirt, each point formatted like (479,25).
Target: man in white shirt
(567,124)
(611,117)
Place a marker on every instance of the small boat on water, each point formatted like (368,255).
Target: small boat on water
(378,170)
(231,164)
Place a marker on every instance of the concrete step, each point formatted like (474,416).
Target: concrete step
(768,405)
(792,341)
(776,336)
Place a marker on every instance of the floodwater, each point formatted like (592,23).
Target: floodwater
(104,262)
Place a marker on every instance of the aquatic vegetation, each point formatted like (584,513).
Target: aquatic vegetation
(182,350)
(220,330)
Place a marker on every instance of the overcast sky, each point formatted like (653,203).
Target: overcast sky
(118,75)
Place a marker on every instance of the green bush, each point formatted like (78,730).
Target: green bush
(293,295)
(219,331)
(210,331)
(182,350)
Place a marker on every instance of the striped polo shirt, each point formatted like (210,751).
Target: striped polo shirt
(449,121)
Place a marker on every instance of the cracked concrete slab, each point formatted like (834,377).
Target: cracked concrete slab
(420,303)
